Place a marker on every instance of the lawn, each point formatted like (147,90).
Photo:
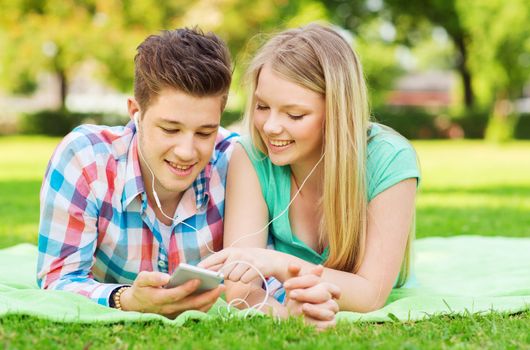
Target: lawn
(468,187)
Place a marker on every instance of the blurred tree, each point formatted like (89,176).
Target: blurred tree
(373,39)
(491,40)
(59,35)
(409,16)
(412,20)
(52,35)
(500,57)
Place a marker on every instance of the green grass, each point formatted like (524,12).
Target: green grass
(471,187)
(468,187)
(491,332)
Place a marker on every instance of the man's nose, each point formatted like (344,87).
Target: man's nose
(185,148)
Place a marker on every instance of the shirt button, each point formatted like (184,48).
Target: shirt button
(161,264)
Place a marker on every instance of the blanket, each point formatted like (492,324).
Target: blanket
(456,275)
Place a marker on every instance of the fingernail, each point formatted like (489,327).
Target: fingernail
(294,294)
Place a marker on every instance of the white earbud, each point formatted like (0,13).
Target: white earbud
(135,119)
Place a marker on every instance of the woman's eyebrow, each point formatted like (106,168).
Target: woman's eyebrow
(292,105)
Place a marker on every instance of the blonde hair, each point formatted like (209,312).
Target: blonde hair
(319,59)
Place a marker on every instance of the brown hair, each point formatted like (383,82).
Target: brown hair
(184,59)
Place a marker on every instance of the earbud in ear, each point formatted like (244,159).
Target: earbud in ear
(136,116)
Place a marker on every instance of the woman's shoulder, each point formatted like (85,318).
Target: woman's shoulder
(383,138)
(390,159)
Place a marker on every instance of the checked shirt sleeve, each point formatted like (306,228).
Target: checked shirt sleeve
(68,221)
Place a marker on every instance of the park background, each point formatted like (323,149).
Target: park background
(453,76)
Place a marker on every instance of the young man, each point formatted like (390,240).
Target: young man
(121,207)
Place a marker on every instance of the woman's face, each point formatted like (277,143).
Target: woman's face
(289,119)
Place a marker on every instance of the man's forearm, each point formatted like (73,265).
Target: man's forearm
(96,291)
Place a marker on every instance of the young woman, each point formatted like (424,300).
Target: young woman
(339,189)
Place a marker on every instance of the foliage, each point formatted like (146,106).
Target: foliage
(473,122)
(489,40)
(53,123)
(58,36)
(60,123)
(52,35)
(413,123)
(418,123)
(522,129)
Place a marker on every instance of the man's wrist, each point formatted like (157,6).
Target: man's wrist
(115,297)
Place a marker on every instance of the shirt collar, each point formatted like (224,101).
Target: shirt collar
(134,183)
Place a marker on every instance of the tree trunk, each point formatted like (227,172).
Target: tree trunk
(465,73)
(63,87)
(501,124)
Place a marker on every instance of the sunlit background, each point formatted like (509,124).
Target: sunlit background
(436,69)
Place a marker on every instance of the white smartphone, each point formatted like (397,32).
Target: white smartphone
(184,272)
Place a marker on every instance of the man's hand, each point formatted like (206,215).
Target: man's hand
(309,296)
(148,295)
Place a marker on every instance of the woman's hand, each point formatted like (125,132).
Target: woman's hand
(148,295)
(243,264)
(309,296)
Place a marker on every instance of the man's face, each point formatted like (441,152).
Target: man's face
(176,139)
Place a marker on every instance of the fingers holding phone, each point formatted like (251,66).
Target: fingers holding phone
(147,294)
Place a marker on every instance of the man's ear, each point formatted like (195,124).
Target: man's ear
(132,108)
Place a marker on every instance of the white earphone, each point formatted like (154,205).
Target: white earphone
(157,200)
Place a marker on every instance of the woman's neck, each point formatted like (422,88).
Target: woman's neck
(308,177)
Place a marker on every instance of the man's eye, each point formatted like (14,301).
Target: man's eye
(205,134)
(261,107)
(170,131)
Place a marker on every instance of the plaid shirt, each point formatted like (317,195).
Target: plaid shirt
(97,230)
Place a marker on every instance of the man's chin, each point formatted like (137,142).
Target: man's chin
(177,187)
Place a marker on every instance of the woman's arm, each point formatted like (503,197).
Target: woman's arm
(246,212)
(246,215)
(390,217)
(389,220)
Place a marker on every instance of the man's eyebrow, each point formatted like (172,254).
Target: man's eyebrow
(177,123)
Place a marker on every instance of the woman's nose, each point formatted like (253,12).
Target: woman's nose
(272,125)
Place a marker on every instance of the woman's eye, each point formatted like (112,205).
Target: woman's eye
(204,134)
(296,116)
(261,107)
